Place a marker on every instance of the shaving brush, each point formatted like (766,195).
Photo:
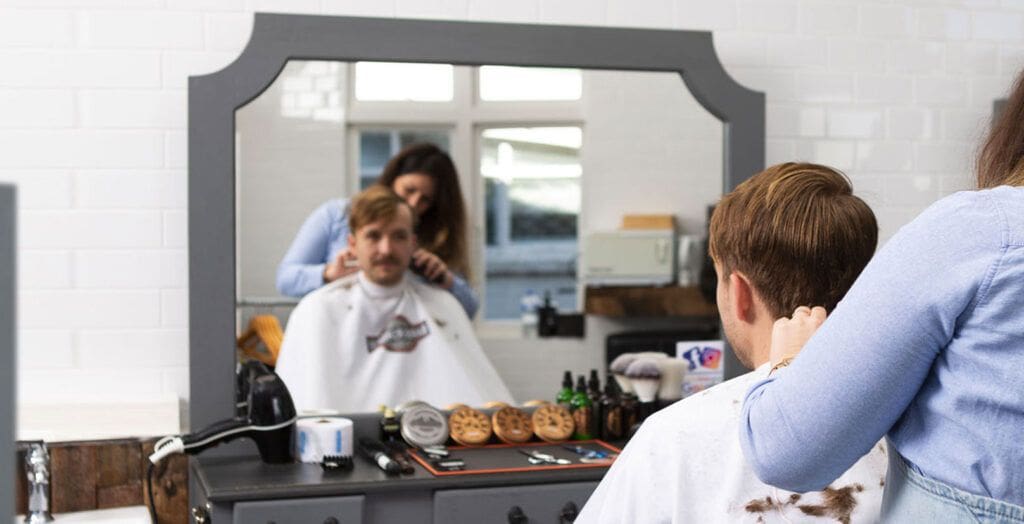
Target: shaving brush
(645,376)
(672,372)
(618,369)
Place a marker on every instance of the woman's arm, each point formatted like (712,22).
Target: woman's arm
(462,292)
(431,268)
(805,426)
(302,268)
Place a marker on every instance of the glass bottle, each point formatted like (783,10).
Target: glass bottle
(630,412)
(611,414)
(390,430)
(547,317)
(564,397)
(528,305)
(582,411)
(594,388)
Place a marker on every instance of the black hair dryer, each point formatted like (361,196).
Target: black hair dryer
(270,420)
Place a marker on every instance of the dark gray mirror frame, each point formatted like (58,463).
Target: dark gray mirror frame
(8,346)
(277,38)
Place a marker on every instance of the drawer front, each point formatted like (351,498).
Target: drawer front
(328,510)
(538,504)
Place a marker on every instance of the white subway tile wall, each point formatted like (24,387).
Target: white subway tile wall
(93,116)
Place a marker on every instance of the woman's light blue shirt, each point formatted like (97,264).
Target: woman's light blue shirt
(321,237)
(927,346)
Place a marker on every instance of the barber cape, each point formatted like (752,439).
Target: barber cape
(353,345)
(685,465)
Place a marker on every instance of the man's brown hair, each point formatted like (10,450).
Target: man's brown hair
(797,232)
(374,204)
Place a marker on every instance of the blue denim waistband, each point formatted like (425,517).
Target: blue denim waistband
(976,504)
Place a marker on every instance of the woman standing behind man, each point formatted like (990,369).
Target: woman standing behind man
(425,177)
(927,348)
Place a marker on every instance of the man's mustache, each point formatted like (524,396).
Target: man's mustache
(386,260)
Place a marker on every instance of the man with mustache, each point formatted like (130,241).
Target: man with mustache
(379,336)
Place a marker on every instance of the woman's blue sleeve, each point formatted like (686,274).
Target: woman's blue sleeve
(805,426)
(302,268)
(465,295)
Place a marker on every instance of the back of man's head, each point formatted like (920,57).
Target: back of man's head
(376,203)
(797,232)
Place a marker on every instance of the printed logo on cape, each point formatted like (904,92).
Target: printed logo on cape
(399,335)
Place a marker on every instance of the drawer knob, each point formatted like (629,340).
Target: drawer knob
(569,513)
(200,515)
(516,516)
(331,520)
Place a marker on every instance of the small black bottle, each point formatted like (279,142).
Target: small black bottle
(611,413)
(390,430)
(630,412)
(594,387)
(564,397)
(547,318)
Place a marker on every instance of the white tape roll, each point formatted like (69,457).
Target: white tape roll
(310,413)
(316,437)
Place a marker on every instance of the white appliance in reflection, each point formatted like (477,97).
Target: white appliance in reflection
(630,257)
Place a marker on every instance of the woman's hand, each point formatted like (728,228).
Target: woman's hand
(432,268)
(790,334)
(344,263)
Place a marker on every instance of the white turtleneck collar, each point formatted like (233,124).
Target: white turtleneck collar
(377,291)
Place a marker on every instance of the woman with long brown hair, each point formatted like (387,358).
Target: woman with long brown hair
(927,348)
(426,178)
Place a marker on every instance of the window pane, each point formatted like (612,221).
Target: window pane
(532,203)
(377,146)
(395,81)
(502,83)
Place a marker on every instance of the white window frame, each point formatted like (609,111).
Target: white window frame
(466,116)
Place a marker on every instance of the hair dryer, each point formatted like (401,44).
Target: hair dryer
(269,420)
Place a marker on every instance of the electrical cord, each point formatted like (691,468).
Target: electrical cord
(166,446)
(173,444)
(218,436)
(149,491)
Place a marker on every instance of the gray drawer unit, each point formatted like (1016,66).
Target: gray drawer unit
(537,504)
(327,510)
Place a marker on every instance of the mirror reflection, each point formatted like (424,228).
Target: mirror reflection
(541,157)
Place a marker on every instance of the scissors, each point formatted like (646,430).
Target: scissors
(586,452)
(537,457)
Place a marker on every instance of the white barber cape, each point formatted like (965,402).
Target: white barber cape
(685,465)
(353,345)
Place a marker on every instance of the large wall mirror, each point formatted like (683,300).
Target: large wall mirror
(555,131)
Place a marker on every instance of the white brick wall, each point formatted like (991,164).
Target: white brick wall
(93,117)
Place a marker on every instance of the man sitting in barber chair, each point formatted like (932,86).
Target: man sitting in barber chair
(379,336)
(793,235)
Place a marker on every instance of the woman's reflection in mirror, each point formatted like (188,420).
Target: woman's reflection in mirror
(426,178)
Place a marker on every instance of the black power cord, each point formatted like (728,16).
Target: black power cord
(149,491)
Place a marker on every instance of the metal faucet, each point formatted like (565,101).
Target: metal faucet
(37,467)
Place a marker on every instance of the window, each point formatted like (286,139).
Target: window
(502,83)
(396,82)
(377,146)
(532,205)
(515,136)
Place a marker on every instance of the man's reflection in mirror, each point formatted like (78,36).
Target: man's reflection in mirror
(425,177)
(381,335)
